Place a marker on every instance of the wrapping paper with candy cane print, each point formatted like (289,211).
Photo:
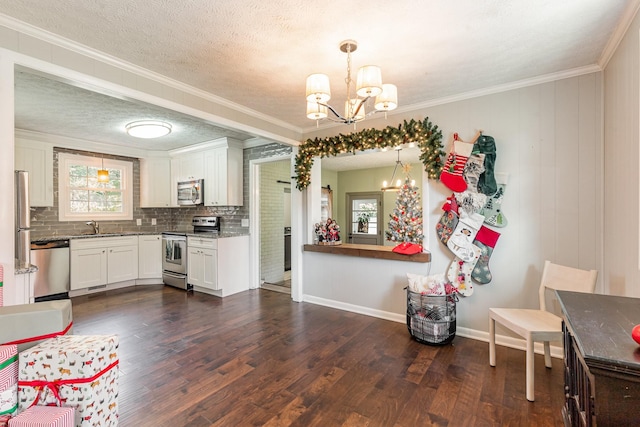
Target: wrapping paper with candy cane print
(75,371)
(8,379)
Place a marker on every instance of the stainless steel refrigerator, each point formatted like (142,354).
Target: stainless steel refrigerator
(23,218)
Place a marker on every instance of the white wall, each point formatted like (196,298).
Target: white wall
(7,206)
(621,167)
(549,140)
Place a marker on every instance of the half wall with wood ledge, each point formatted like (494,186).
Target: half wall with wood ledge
(364,279)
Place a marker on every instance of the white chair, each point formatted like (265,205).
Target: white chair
(540,325)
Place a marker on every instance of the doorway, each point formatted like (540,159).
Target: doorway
(364,218)
(275,225)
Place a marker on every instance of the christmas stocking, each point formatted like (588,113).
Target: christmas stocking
(448,220)
(493,209)
(461,241)
(472,171)
(459,274)
(486,182)
(485,240)
(451,174)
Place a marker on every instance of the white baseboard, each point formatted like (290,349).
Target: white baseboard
(503,340)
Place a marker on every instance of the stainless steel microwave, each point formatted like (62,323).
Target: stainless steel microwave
(191,193)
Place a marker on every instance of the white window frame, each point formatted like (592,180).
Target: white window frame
(65,160)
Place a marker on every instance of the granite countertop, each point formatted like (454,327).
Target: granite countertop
(138,233)
(24,268)
(90,236)
(217,235)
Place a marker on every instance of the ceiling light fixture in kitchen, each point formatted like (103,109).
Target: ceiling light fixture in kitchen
(103,174)
(368,84)
(148,129)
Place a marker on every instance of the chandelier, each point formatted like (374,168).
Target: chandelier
(395,186)
(368,85)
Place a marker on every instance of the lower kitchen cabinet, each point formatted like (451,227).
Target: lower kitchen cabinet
(218,266)
(150,257)
(103,260)
(202,262)
(88,267)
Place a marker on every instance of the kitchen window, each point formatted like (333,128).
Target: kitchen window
(81,197)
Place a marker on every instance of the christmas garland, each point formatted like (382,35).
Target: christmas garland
(423,133)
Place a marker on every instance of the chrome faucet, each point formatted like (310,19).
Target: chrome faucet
(95,226)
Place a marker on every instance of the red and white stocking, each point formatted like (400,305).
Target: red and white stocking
(451,174)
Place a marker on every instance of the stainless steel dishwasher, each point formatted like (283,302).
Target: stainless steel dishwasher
(52,279)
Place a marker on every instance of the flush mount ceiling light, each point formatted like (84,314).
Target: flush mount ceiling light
(368,84)
(148,129)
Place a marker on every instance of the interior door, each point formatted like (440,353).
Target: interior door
(364,218)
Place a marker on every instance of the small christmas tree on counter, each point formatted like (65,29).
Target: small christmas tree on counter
(405,224)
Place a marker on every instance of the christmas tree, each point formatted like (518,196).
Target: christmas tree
(405,224)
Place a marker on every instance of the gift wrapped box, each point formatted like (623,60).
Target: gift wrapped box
(28,324)
(1,283)
(4,420)
(8,379)
(44,416)
(75,371)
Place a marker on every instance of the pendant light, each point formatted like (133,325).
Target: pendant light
(103,174)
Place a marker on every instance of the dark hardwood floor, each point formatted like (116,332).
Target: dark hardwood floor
(257,358)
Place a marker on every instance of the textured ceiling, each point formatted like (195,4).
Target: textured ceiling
(46,105)
(258,53)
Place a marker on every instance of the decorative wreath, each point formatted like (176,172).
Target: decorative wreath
(423,133)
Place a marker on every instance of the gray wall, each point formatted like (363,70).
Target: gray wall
(45,220)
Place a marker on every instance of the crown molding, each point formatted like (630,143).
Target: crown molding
(403,112)
(619,33)
(79,144)
(49,37)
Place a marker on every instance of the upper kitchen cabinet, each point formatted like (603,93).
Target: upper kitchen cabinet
(155,182)
(223,174)
(189,166)
(36,157)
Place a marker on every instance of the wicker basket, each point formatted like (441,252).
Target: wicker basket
(431,319)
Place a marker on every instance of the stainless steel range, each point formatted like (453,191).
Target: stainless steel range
(174,260)
(174,243)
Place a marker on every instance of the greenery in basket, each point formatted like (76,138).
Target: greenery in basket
(367,211)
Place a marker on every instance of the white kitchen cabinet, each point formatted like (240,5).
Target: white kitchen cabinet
(88,267)
(150,257)
(122,263)
(155,182)
(218,266)
(190,166)
(202,262)
(100,261)
(184,167)
(37,158)
(223,178)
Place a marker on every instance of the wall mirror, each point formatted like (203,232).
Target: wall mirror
(364,172)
